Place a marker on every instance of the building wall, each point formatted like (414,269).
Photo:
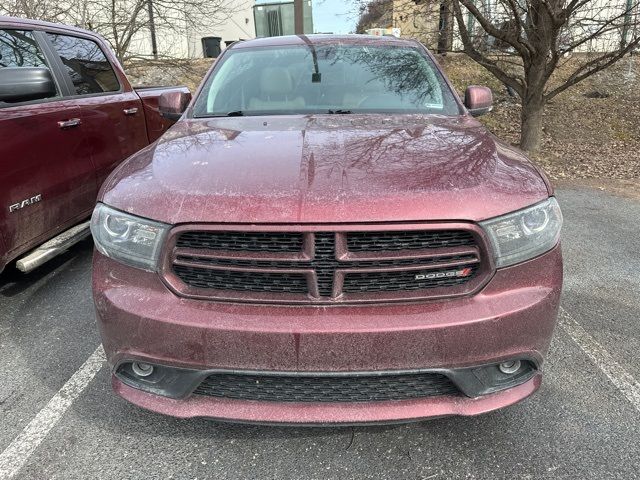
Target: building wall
(169,43)
(239,26)
(188,42)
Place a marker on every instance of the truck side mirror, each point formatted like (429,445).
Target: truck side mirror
(478,100)
(21,84)
(173,104)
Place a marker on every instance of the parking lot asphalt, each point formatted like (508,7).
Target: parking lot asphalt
(583,423)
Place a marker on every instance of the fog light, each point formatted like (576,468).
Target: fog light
(142,369)
(172,382)
(509,367)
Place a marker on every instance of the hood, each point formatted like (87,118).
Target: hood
(325,169)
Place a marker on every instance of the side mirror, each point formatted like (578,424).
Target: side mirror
(478,100)
(20,84)
(173,104)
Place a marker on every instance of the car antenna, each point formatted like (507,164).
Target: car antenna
(316,77)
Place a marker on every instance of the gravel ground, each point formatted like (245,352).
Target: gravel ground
(579,425)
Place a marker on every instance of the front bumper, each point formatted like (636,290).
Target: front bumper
(325,413)
(512,317)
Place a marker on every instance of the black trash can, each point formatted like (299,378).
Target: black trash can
(211,46)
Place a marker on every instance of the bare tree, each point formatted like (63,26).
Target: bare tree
(524,42)
(128,23)
(48,10)
(125,22)
(375,14)
(537,48)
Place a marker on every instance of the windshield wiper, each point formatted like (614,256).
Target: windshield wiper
(340,112)
(235,113)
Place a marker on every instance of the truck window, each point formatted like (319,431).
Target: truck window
(86,64)
(18,48)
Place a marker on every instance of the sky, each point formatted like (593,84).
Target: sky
(335,16)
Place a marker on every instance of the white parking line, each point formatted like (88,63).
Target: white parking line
(23,446)
(622,379)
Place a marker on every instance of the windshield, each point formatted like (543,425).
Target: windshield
(325,79)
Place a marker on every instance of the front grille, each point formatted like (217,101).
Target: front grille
(326,266)
(348,388)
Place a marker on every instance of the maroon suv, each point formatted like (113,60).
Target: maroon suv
(327,235)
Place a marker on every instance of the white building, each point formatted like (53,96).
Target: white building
(190,42)
(239,26)
(182,40)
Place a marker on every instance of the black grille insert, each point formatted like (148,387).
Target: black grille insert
(348,388)
(286,242)
(241,281)
(404,281)
(407,240)
(324,262)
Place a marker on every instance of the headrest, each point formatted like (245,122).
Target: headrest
(276,81)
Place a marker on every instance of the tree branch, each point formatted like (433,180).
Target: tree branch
(592,67)
(492,66)
(492,30)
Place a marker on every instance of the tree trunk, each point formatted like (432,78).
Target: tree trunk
(531,123)
(533,99)
(444,27)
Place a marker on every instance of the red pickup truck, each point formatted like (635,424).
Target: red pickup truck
(68,117)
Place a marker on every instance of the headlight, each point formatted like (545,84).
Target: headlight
(524,234)
(132,240)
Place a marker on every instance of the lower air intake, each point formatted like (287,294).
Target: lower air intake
(344,388)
